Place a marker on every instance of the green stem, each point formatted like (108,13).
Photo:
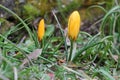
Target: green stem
(42,43)
(71,50)
(25,25)
(74,50)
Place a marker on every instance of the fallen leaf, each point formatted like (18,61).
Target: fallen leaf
(115,57)
(67,39)
(33,55)
(60,61)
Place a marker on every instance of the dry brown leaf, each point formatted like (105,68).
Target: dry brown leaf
(115,57)
(61,61)
(67,39)
(33,55)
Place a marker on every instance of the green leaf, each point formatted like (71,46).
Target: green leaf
(106,74)
(49,30)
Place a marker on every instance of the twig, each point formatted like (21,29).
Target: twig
(82,74)
(61,30)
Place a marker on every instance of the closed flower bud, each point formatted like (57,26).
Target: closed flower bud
(74,25)
(41,29)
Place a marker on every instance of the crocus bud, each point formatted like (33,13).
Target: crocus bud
(74,25)
(41,29)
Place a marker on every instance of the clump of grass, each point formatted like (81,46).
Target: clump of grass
(96,57)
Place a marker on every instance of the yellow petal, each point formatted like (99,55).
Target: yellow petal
(41,29)
(74,25)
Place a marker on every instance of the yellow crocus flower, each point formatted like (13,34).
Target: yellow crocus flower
(41,29)
(74,25)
